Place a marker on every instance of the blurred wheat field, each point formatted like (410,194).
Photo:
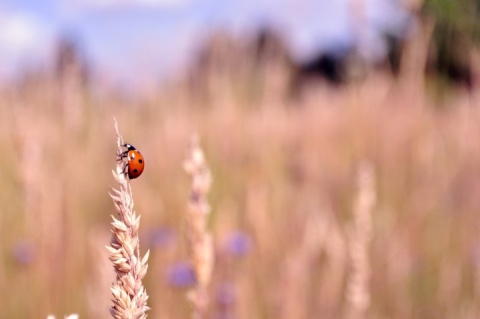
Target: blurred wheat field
(283,197)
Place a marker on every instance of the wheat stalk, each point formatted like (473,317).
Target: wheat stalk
(129,295)
(199,241)
(358,286)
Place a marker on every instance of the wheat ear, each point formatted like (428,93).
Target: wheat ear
(129,295)
(199,241)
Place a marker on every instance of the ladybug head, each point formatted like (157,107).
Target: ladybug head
(129,147)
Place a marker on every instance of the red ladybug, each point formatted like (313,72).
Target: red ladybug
(136,162)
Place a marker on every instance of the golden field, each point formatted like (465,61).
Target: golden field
(287,236)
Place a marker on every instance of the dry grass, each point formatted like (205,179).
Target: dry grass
(285,184)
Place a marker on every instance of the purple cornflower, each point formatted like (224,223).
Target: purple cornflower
(24,252)
(238,244)
(181,275)
(160,237)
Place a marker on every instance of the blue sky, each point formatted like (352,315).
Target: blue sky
(134,40)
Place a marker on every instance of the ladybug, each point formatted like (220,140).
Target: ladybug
(136,162)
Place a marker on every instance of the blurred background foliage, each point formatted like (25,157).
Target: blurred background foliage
(456,32)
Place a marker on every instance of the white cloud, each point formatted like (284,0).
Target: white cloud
(22,37)
(17,32)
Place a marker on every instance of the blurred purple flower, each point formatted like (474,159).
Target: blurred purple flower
(24,252)
(181,275)
(160,237)
(238,244)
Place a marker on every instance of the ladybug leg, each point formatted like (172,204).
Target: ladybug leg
(125,169)
(122,156)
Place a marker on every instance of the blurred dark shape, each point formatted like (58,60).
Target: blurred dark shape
(252,63)
(160,237)
(263,58)
(238,244)
(24,252)
(181,275)
(269,47)
(394,44)
(450,57)
(455,35)
(330,66)
(70,61)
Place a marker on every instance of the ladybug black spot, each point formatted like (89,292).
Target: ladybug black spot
(135,170)
(140,161)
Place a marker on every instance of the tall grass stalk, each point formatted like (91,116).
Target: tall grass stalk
(358,286)
(129,295)
(199,240)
